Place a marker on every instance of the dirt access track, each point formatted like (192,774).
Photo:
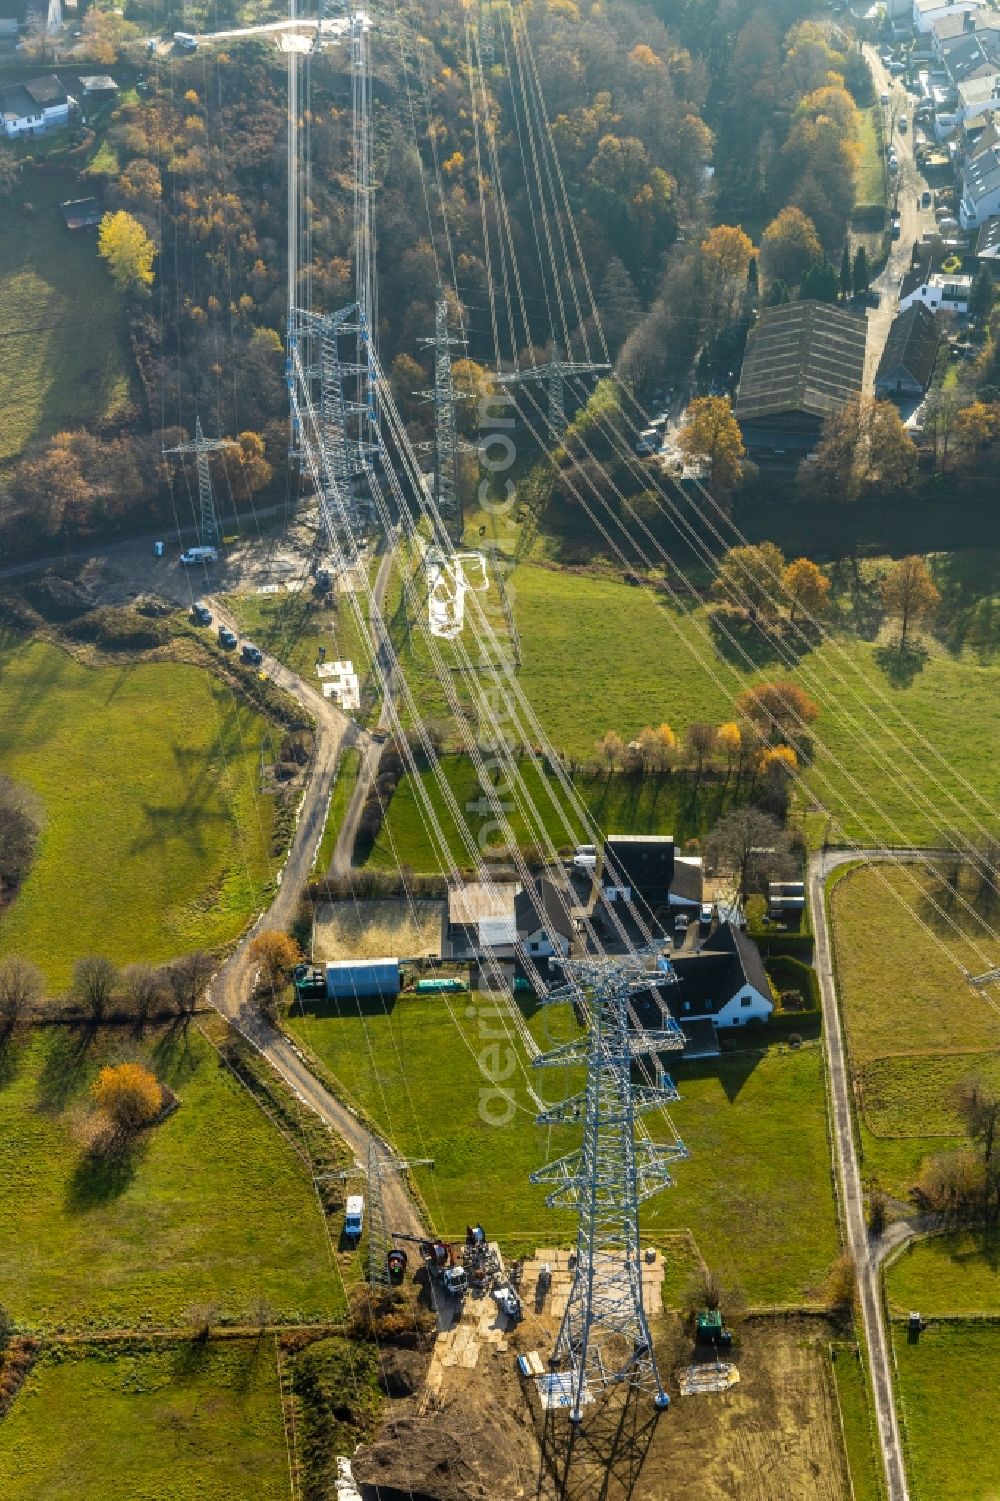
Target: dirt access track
(774,1437)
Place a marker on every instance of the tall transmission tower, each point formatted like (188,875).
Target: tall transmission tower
(447,445)
(208,519)
(486,31)
(604,1338)
(554,374)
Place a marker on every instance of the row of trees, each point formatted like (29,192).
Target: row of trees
(964,1186)
(101,989)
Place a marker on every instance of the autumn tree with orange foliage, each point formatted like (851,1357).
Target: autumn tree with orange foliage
(129,1095)
(779,709)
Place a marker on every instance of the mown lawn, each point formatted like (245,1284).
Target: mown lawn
(617,804)
(756,1191)
(192,1421)
(211,1206)
(154,841)
(855,1411)
(870,183)
(64,357)
(949,1388)
(943,1275)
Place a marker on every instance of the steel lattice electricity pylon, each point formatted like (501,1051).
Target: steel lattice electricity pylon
(604,1338)
(554,374)
(447,444)
(209,531)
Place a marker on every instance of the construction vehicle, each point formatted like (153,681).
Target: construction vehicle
(397,1261)
(309,981)
(438,1256)
(508,1303)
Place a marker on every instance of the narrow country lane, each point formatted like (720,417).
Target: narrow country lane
(867,1253)
(232,987)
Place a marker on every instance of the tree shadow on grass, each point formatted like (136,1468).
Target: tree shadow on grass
(174,1061)
(11,1054)
(101,1176)
(65,1068)
(191,1357)
(901,666)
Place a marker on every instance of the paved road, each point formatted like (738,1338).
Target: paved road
(905,188)
(232,987)
(867,1254)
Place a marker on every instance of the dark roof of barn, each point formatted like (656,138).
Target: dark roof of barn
(802,357)
(46,91)
(989,235)
(553,902)
(912,345)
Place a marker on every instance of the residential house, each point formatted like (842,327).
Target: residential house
(973,55)
(927,12)
(81,213)
(980,188)
(33,108)
(802,362)
(724,982)
(98,86)
(936,291)
(908,359)
(977,96)
(950,29)
(988,243)
(481,915)
(545,927)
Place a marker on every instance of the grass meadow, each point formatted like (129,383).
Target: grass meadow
(948,1275)
(756,1191)
(915,1027)
(64,357)
(855,1412)
(211,1206)
(192,1421)
(347,775)
(154,841)
(948,1385)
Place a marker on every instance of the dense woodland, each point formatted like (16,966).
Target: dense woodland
(709,149)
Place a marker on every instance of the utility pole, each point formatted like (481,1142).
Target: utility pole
(553,375)
(604,1339)
(208,523)
(446,441)
(378,1238)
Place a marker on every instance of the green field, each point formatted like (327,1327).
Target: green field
(347,775)
(618,804)
(294,626)
(756,1191)
(64,358)
(910,1043)
(949,1388)
(210,1207)
(154,840)
(191,1422)
(855,1412)
(947,1275)
(600,655)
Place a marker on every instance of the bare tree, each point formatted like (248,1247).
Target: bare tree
(21,986)
(750,843)
(94,982)
(19,821)
(700,742)
(142,988)
(186,979)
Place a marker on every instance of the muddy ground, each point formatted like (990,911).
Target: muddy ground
(774,1435)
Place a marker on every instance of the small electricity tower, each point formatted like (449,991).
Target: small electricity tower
(553,374)
(378,1238)
(209,531)
(447,444)
(604,1339)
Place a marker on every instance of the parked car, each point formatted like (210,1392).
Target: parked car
(883,98)
(947,222)
(252,654)
(227,638)
(201,614)
(902,123)
(705,915)
(681,922)
(926,198)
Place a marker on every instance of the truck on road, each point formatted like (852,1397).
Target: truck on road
(354,1217)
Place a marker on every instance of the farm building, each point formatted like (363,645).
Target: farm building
(907,362)
(803,361)
(723,983)
(481,915)
(647,867)
(362,979)
(81,213)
